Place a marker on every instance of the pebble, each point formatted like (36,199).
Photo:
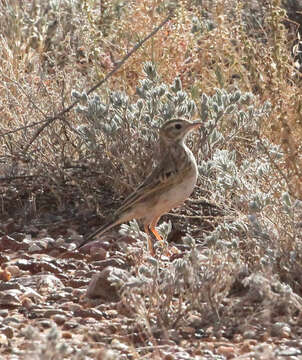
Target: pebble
(59,242)
(12,320)
(10,298)
(3,313)
(98,253)
(60,296)
(32,294)
(194,321)
(188,330)
(71,306)
(66,335)
(7,242)
(14,270)
(9,285)
(8,331)
(46,324)
(3,339)
(102,285)
(27,303)
(227,351)
(281,329)
(34,248)
(249,334)
(43,243)
(78,292)
(52,312)
(114,261)
(118,345)
(59,319)
(49,283)
(71,324)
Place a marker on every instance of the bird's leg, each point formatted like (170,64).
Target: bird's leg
(168,252)
(155,232)
(150,244)
(153,229)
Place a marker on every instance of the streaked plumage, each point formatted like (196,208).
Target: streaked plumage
(168,185)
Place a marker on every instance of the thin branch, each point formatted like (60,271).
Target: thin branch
(23,127)
(276,166)
(29,99)
(46,122)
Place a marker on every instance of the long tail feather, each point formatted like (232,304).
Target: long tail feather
(101,230)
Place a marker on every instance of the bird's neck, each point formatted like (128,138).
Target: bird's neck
(175,149)
(166,144)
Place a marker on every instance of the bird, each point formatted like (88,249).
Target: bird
(170,183)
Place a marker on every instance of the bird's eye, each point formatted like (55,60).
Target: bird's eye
(177,126)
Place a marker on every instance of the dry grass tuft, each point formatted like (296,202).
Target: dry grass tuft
(230,65)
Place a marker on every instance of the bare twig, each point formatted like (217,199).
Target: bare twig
(276,166)
(48,120)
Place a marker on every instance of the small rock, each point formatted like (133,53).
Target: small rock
(69,325)
(49,283)
(280,329)
(34,248)
(107,354)
(46,324)
(76,238)
(101,284)
(3,313)
(59,241)
(237,338)
(32,294)
(12,320)
(78,293)
(188,330)
(194,321)
(14,270)
(98,253)
(289,353)
(250,334)
(3,340)
(8,331)
(27,303)
(52,312)
(89,313)
(5,275)
(114,261)
(43,243)
(59,319)
(59,296)
(7,242)
(66,335)
(10,298)
(118,345)
(71,306)
(227,351)
(8,285)
(77,283)
(9,226)
(19,236)
(169,357)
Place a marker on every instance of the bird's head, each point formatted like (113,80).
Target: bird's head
(176,130)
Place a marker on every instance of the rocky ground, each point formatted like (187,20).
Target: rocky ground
(57,303)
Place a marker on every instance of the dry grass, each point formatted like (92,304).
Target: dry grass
(249,156)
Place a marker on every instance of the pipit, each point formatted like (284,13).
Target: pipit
(169,184)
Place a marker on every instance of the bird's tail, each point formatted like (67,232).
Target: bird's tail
(101,230)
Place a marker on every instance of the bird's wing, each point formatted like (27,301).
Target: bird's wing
(157,182)
(160,178)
